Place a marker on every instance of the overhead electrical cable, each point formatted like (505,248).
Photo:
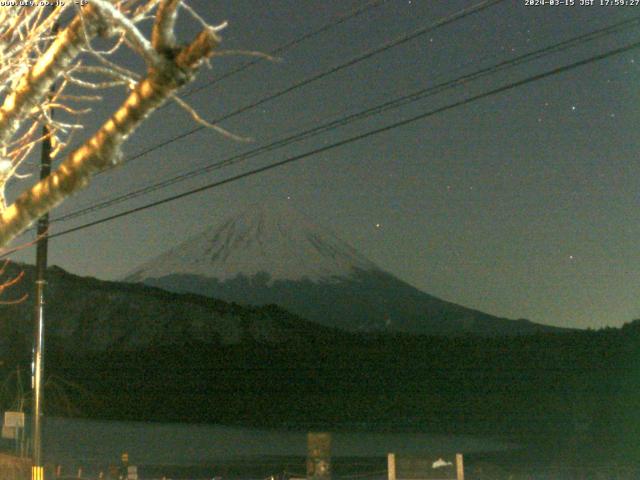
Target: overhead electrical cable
(283,48)
(454,17)
(345,120)
(359,137)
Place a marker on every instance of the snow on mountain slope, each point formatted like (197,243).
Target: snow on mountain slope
(271,254)
(272,237)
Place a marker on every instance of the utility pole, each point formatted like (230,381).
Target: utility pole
(37,472)
(37,469)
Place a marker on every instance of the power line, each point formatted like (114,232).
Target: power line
(337,21)
(458,15)
(357,138)
(375,110)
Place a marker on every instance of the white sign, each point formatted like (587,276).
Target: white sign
(14,419)
(132,472)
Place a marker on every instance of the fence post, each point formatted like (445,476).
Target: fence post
(459,466)
(391,466)
(318,456)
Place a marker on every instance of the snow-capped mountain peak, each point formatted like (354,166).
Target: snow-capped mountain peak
(272,238)
(271,254)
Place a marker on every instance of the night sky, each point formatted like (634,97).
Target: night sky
(522,204)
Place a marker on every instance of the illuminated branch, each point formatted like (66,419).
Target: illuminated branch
(34,86)
(102,150)
(9,283)
(30,63)
(162,36)
(117,20)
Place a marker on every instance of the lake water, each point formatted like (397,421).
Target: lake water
(97,444)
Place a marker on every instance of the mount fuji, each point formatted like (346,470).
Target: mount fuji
(272,254)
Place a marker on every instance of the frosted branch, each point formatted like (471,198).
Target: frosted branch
(198,119)
(102,150)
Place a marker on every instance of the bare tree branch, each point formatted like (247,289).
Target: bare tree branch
(117,20)
(102,150)
(162,36)
(35,84)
